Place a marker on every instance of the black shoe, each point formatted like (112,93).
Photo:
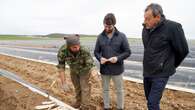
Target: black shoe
(107,109)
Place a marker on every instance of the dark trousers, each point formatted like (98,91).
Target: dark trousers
(82,88)
(153,88)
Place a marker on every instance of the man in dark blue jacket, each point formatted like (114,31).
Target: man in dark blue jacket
(165,47)
(111,49)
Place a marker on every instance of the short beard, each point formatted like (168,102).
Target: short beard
(109,32)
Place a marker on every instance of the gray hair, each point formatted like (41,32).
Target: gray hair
(156,9)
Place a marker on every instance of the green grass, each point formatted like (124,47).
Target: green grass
(88,38)
(191,42)
(134,39)
(15,37)
(94,37)
(83,38)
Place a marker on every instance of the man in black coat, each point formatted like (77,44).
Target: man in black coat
(165,47)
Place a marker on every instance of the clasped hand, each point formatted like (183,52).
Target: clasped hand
(112,60)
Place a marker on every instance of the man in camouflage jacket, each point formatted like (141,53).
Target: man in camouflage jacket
(81,63)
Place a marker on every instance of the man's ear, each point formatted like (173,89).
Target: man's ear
(158,17)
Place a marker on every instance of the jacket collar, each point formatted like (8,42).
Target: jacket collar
(161,22)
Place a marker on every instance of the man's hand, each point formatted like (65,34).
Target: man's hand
(62,76)
(64,84)
(113,59)
(103,60)
(65,87)
(94,73)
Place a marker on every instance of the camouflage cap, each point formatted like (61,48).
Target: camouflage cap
(72,39)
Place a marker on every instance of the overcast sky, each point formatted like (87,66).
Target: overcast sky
(86,16)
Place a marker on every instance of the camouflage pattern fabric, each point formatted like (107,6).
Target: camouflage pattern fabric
(79,64)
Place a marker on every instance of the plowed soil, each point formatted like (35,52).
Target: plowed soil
(14,96)
(42,75)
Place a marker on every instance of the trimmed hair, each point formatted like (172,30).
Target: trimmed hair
(109,19)
(156,9)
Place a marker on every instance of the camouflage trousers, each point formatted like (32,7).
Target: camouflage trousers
(82,88)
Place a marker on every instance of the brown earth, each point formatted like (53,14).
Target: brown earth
(42,75)
(14,96)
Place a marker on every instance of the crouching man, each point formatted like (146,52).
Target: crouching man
(81,63)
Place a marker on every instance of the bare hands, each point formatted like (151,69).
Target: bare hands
(113,59)
(103,60)
(65,87)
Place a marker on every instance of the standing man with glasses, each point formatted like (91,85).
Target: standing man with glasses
(111,49)
(165,47)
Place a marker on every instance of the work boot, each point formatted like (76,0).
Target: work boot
(76,104)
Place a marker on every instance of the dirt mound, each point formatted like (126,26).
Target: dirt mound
(14,96)
(7,100)
(42,75)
